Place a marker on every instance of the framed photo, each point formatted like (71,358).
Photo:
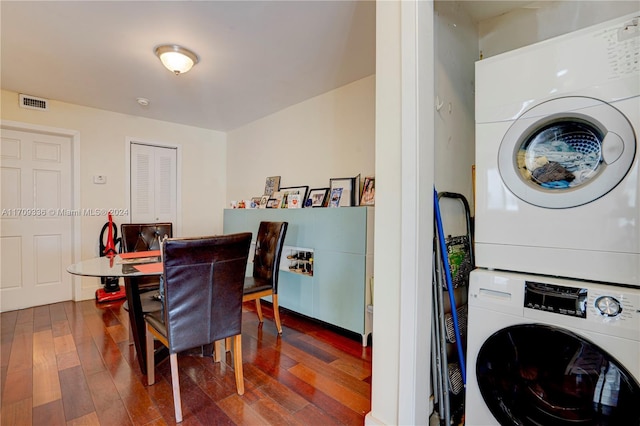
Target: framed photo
(277,197)
(350,194)
(368,192)
(336,196)
(254,203)
(299,190)
(317,197)
(264,200)
(271,203)
(271,185)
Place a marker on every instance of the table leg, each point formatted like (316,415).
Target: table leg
(136,319)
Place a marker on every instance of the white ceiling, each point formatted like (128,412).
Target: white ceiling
(256,57)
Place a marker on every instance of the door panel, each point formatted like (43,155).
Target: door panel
(153,184)
(35,247)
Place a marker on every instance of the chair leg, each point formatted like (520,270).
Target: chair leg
(217,351)
(259,310)
(175,383)
(237,363)
(151,367)
(276,313)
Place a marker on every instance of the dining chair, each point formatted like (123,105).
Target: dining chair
(142,291)
(144,237)
(266,267)
(202,301)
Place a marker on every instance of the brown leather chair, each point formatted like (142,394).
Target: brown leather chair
(144,237)
(140,297)
(266,267)
(202,301)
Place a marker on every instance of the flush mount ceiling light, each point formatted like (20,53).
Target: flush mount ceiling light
(176,58)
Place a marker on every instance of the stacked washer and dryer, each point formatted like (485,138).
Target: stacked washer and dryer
(554,305)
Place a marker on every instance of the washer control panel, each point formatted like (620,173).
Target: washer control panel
(563,300)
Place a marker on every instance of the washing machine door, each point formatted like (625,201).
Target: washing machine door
(534,374)
(566,152)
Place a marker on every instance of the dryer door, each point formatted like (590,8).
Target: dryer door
(534,374)
(566,152)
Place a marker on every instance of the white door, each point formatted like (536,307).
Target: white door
(35,235)
(153,184)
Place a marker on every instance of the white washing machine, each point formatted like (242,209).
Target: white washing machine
(550,351)
(557,180)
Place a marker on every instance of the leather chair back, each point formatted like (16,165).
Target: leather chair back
(204,278)
(266,261)
(144,236)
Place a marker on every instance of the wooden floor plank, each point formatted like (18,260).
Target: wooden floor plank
(90,419)
(64,344)
(41,318)
(17,413)
(76,395)
(46,382)
(57,312)
(274,389)
(338,391)
(109,408)
(50,414)
(326,370)
(240,412)
(311,415)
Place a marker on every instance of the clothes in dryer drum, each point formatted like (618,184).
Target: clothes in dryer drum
(566,152)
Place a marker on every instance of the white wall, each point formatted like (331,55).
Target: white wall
(102,151)
(328,136)
(544,20)
(456,45)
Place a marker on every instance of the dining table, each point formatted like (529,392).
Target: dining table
(128,266)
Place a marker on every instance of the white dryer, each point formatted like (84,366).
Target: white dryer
(557,180)
(550,351)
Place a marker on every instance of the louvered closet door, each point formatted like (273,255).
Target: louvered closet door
(153,184)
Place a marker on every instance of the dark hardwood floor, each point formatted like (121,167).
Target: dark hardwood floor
(71,363)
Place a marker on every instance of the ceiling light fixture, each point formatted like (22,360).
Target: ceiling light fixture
(176,58)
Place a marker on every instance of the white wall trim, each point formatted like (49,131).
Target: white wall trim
(74,135)
(417,58)
(127,181)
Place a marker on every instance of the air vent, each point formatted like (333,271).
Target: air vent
(32,102)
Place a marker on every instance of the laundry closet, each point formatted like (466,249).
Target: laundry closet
(527,286)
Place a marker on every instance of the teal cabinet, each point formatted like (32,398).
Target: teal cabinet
(342,241)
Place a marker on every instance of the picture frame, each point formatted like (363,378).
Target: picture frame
(350,194)
(271,185)
(300,190)
(254,203)
(264,200)
(277,197)
(368,191)
(271,203)
(336,196)
(317,197)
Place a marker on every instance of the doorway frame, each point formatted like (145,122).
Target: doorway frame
(76,232)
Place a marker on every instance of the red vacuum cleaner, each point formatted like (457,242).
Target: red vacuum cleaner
(111,289)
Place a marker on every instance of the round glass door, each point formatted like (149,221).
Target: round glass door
(566,152)
(535,374)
